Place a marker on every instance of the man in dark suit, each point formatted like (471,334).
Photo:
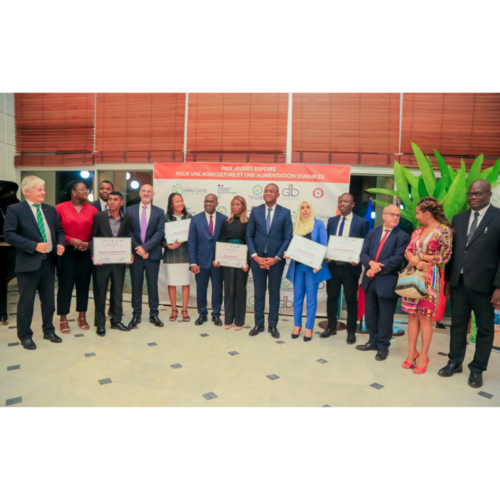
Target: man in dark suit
(147,226)
(382,255)
(344,273)
(34,229)
(204,231)
(105,188)
(110,224)
(472,280)
(269,233)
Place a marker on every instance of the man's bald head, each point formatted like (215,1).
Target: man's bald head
(211,203)
(146,193)
(391,215)
(479,195)
(346,204)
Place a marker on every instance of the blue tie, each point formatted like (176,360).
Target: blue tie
(268,220)
(342,227)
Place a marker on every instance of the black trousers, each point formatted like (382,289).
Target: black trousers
(42,280)
(202,279)
(342,275)
(152,269)
(463,301)
(102,275)
(379,316)
(76,269)
(235,295)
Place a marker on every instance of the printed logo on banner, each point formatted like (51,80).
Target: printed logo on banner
(222,210)
(322,217)
(285,283)
(294,215)
(257,190)
(290,191)
(224,190)
(318,193)
(177,189)
(251,300)
(178,296)
(285,303)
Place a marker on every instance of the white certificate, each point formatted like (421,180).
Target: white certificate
(306,251)
(112,250)
(177,231)
(344,249)
(231,254)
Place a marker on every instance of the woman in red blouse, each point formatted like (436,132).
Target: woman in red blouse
(76,263)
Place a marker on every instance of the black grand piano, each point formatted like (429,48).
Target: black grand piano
(8,191)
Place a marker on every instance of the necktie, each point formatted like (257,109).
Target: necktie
(382,241)
(144,223)
(268,220)
(211,226)
(473,227)
(105,207)
(341,230)
(39,221)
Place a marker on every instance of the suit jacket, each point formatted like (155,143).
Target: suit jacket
(21,231)
(102,229)
(154,231)
(359,229)
(319,236)
(391,257)
(200,242)
(480,260)
(279,236)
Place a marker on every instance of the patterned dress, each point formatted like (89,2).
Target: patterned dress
(439,244)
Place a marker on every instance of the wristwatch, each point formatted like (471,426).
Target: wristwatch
(276,260)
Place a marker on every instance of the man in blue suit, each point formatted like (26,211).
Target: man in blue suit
(147,225)
(382,256)
(34,229)
(347,274)
(105,188)
(204,231)
(269,233)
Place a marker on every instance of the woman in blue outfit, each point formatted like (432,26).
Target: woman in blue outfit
(305,279)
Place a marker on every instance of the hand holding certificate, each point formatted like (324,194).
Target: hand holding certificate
(306,252)
(231,254)
(177,231)
(112,251)
(344,249)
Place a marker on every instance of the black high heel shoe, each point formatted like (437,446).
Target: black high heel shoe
(298,334)
(307,339)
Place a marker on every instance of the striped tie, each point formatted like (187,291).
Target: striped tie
(39,221)
(211,226)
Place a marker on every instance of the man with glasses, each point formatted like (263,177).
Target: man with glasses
(382,255)
(473,281)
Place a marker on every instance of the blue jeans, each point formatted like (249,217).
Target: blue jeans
(303,285)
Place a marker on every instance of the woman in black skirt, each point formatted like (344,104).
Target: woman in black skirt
(234,231)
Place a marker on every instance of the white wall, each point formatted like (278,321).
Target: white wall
(7,138)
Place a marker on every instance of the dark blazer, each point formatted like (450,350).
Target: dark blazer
(481,259)
(154,231)
(391,257)
(200,241)
(97,204)
(102,229)
(359,229)
(279,236)
(21,231)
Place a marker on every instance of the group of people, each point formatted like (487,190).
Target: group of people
(467,250)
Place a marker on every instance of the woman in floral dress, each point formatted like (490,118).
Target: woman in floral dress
(429,249)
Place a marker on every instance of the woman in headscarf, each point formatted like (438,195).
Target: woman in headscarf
(305,279)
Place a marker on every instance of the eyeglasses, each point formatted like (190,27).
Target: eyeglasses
(392,214)
(478,194)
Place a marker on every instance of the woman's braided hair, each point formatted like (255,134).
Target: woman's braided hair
(430,204)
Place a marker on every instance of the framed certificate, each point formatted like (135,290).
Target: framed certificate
(306,251)
(231,254)
(344,249)
(177,231)
(112,250)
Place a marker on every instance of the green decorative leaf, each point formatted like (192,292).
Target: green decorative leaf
(493,175)
(443,168)
(415,197)
(455,200)
(422,190)
(485,173)
(431,166)
(389,192)
(441,188)
(412,180)
(451,174)
(402,186)
(427,171)
(475,170)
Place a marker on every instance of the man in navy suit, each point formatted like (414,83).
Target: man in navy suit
(382,256)
(204,231)
(269,233)
(105,188)
(147,226)
(34,229)
(346,225)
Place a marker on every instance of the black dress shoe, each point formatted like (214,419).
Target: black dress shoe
(156,321)
(351,338)
(476,380)
(274,332)
(101,331)
(200,320)
(52,337)
(450,369)
(135,321)
(120,326)
(327,333)
(255,330)
(382,355)
(367,347)
(28,344)
(217,321)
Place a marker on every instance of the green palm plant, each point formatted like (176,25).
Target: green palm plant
(450,189)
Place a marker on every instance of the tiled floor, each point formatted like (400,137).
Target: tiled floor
(179,366)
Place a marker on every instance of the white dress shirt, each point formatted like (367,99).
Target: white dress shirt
(481,213)
(347,225)
(148,213)
(384,229)
(104,204)
(46,226)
